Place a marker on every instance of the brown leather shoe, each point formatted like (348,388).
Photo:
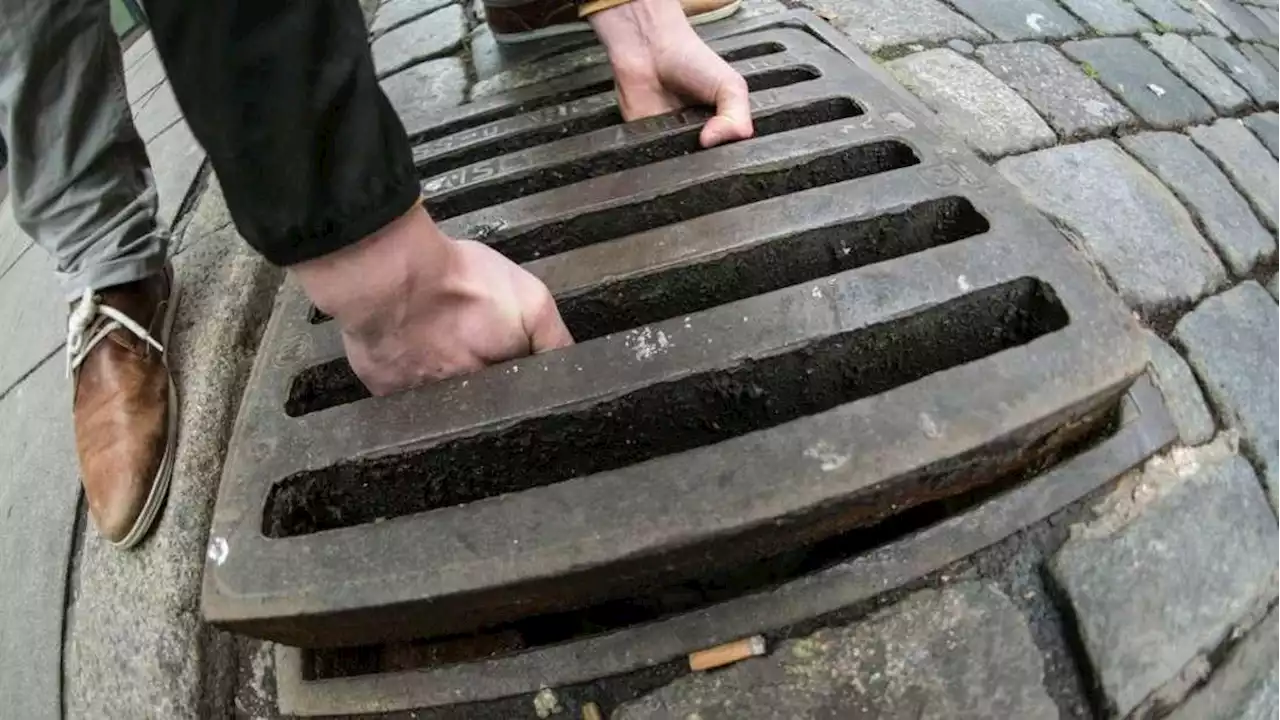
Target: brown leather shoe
(519,21)
(125,403)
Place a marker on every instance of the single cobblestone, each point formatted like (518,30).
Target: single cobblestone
(1142,81)
(425,89)
(1267,127)
(1109,17)
(1074,105)
(1208,21)
(1268,19)
(393,14)
(981,109)
(964,47)
(1169,15)
(1245,686)
(1182,395)
(1244,24)
(528,73)
(1124,219)
(1256,55)
(876,24)
(1256,79)
(962,652)
(1199,70)
(1020,19)
(1246,161)
(1269,55)
(439,33)
(1230,341)
(1227,219)
(1169,585)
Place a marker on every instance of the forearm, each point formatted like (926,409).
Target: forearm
(283,97)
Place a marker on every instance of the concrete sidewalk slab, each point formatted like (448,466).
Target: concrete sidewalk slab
(176,159)
(38,508)
(13,242)
(34,319)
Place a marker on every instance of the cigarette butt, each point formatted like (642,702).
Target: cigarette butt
(726,654)
(591,711)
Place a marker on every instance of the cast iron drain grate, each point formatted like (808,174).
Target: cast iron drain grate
(785,339)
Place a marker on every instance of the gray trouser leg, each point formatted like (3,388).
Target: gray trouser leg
(80,182)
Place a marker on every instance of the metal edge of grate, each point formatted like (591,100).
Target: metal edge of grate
(266,587)
(1145,428)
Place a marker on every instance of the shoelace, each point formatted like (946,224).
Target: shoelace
(82,319)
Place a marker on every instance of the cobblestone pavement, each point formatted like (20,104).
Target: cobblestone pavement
(1145,129)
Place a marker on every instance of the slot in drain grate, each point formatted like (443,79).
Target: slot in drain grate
(782,341)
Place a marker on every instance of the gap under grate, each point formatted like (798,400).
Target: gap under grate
(782,341)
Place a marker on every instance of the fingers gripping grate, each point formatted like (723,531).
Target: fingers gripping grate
(780,340)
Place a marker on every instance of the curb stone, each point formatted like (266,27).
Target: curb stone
(135,643)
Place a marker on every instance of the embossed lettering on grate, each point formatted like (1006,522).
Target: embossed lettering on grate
(780,340)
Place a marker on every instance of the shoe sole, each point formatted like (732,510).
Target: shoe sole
(160,486)
(582,26)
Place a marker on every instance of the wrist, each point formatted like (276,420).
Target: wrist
(634,26)
(360,283)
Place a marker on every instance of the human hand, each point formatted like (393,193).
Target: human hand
(661,65)
(415,305)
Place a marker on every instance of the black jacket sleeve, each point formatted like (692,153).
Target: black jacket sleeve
(283,97)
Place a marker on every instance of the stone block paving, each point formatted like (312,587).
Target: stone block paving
(1230,341)
(875,24)
(1257,79)
(393,14)
(421,90)
(1021,19)
(1198,70)
(983,111)
(1243,157)
(435,35)
(1171,584)
(1142,81)
(1169,15)
(1182,395)
(1266,127)
(1209,21)
(1242,23)
(1261,56)
(1226,217)
(1109,17)
(961,652)
(1124,219)
(1074,104)
(1247,685)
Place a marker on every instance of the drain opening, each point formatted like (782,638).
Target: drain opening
(747,52)
(687,289)
(474,197)
(698,410)
(709,197)
(718,584)
(603,118)
(769,266)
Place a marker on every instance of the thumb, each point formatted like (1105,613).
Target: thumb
(541,319)
(547,330)
(732,120)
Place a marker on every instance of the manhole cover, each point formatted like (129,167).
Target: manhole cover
(781,340)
